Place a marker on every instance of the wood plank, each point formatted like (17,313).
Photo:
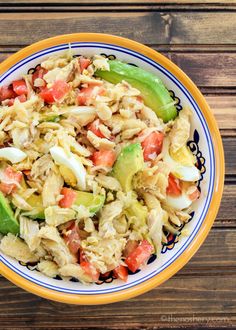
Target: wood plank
(224,109)
(173,27)
(227,212)
(207,69)
(230,155)
(202,28)
(60,23)
(113,6)
(135,2)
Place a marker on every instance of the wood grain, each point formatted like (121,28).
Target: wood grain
(134,2)
(151,27)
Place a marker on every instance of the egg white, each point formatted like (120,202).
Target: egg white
(183,172)
(72,162)
(14,155)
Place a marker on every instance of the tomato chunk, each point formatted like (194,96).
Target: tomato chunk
(94,127)
(84,63)
(121,272)
(19,87)
(90,270)
(86,94)
(47,95)
(11,180)
(174,188)
(69,196)
(6,92)
(152,145)
(139,256)
(104,158)
(72,238)
(56,93)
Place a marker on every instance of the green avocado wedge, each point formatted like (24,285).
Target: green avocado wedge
(152,89)
(92,202)
(128,163)
(37,204)
(8,222)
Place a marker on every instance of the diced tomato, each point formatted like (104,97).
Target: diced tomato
(121,272)
(60,89)
(69,196)
(72,238)
(14,178)
(94,127)
(152,145)
(19,87)
(55,93)
(104,158)
(174,188)
(87,93)
(6,92)
(139,256)
(39,73)
(47,95)
(84,63)
(194,195)
(90,270)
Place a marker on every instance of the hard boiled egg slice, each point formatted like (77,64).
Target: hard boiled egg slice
(183,172)
(189,193)
(72,162)
(179,202)
(14,155)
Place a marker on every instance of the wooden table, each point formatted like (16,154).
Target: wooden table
(200,37)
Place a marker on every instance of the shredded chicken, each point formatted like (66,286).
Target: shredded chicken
(56,246)
(180,132)
(16,248)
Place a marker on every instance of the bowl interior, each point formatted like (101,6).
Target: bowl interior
(200,144)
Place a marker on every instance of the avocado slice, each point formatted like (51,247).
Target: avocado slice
(155,94)
(138,210)
(37,204)
(128,163)
(93,202)
(8,222)
(137,216)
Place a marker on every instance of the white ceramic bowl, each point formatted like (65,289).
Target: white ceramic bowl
(205,142)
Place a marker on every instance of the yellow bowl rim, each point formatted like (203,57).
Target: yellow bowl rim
(218,184)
